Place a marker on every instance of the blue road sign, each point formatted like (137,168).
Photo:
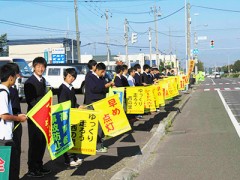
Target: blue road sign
(58,58)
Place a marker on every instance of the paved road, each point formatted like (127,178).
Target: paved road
(203,142)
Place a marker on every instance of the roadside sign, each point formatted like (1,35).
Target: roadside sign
(202,38)
(58,55)
(195,51)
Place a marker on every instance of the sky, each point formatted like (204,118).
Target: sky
(217,20)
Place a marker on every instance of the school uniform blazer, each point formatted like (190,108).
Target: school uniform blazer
(124,81)
(34,90)
(118,82)
(95,89)
(138,79)
(15,100)
(65,94)
(145,78)
(86,90)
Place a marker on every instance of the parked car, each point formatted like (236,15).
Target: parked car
(25,73)
(54,75)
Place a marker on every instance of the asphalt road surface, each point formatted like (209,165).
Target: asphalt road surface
(204,142)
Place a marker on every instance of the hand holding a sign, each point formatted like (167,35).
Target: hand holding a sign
(109,84)
(8,117)
(22,117)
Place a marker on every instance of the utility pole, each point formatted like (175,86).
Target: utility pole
(195,56)
(77,30)
(150,45)
(126,42)
(107,39)
(156,14)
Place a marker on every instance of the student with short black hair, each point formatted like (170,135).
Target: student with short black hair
(138,76)
(131,80)
(35,89)
(66,92)
(8,78)
(98,87)
(16,108)
(124,76)
(145,76)
(92,67)
(118,77)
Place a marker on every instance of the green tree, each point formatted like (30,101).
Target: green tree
(236,66)
(3,45)
(200,66)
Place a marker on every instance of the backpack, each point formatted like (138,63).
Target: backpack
(7,94)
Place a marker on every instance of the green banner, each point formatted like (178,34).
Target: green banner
(5,153)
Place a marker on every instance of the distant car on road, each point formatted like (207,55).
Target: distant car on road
(217,76)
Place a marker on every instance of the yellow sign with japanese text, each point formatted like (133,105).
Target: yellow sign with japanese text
(119,91)
(112,117)
(149,102)
(84,134)
(135,100)
(159,97)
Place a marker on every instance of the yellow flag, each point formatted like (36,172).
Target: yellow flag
(112,117)
(119,91)
(135,100)
(159,97)
(149,103)
(41,115)
(84,134)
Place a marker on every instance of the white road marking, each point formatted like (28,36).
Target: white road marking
(220,83)
(237,88)
(227,83)
(213,82)
(206,89)
(207,84)
(230,114)
(227,89)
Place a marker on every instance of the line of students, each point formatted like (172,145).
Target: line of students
(35,89)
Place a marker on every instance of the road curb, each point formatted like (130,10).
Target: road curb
(135,164)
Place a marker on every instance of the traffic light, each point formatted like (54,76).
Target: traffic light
(212,43)
(134,38)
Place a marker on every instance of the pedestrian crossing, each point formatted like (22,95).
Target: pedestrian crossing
(215,84)
(220,89)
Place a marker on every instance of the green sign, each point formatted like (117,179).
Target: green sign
(5,153)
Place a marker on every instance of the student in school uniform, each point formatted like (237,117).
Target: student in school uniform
(16,109)
(124,76)
(131,80)
(7,119)
(97,88)
(66,92)
(138,76)
(35,89)
(145,76)
(92,67)
(118,78)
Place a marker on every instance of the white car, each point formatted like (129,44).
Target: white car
(54,75)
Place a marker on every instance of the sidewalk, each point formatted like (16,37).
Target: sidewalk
(202,144)
(121,150)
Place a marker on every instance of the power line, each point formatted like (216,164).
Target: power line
(217,9)
(33,27)
(144,22)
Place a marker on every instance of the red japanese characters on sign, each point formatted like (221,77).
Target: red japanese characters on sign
(2,162)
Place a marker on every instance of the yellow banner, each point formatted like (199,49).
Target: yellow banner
(84,134)
(41,115)
(135,100)
(112,117)
(149,102)
(159,96)
(119,91)
(181,83)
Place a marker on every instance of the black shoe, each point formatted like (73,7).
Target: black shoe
(45,171)
(35,174)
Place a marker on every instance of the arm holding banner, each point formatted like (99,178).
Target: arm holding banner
(19,117)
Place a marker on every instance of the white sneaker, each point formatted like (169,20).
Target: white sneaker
(73,164)
(79,161)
